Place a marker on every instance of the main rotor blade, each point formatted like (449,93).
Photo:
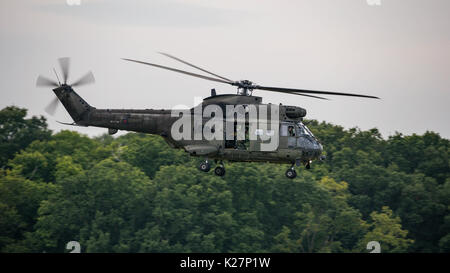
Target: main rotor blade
(64,63)
(311,96)
(45,82)
(51,107)
(194,66)
(301,91)
(86,79)
(180,71)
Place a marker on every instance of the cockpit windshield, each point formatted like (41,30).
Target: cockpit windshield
(303,130)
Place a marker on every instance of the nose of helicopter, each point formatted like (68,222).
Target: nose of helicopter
(318,148)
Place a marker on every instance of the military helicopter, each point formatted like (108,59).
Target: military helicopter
(296,145)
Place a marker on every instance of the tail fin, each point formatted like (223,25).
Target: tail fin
(75,105)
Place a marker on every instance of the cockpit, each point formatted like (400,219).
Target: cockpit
(300,137)
(295,130)
(303,130)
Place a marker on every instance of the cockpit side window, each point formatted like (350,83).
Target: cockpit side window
(300,131)
(304,130)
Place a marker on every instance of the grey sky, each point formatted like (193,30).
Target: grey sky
(398,51)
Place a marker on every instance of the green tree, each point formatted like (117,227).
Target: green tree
(149,152)
(386,229)
(19,202)
(101,207)
(134,193)
(17,132)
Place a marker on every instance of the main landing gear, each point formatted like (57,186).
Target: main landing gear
(291,173)
(220,169)
(205,166)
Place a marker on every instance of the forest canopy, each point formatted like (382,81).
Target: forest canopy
(133,193)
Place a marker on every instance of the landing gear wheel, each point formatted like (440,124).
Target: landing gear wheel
(204,166)
(291,173)
(219,171)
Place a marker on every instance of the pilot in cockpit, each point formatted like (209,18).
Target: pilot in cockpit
(291,131)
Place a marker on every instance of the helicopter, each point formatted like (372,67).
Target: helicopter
(244,142)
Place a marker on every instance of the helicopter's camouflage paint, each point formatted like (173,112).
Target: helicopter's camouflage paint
(301,148)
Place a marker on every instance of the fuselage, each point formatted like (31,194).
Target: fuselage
(294,141)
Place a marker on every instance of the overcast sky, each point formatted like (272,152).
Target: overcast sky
(399,51)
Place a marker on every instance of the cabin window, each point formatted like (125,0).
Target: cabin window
(291,131)
(288,129)
(284,130)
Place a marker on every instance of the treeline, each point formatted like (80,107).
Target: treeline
(135,194)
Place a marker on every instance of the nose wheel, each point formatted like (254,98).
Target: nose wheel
(291,173)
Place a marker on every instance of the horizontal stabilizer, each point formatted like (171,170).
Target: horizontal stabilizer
(73,124)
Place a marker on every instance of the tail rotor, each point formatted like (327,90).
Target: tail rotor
(64,64)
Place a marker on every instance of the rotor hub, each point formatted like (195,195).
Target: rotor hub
(245,87)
